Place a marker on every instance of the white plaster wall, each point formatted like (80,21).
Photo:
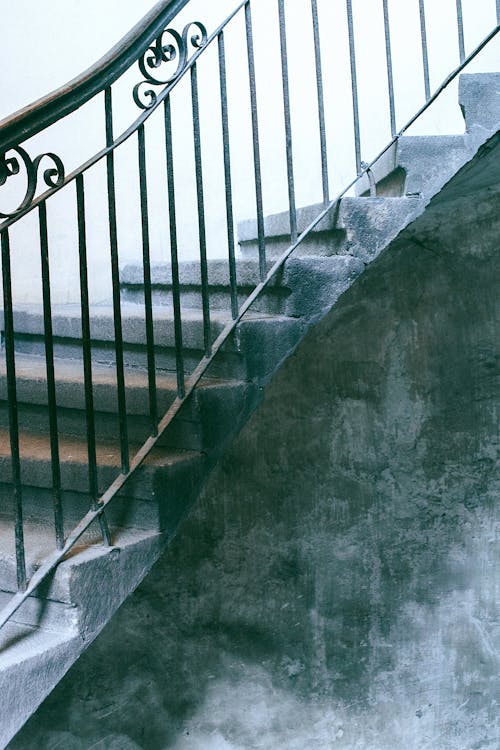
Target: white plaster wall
(50,42)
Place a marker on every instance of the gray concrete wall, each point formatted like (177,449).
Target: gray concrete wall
(338,584)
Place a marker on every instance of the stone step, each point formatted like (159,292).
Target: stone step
(358,227)
(252,352)
(417,165)
(273,300)
(479,98)
(30,657)
(421,165)
(60,604)
(163,465)
(201,424)
(48,633)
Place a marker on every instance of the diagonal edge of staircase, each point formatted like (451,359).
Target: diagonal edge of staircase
(54,628)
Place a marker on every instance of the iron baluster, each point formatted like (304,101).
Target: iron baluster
(146,265)
(87,359)
(425,53)
(176,298)
(256,142)
(200,200)
(227,176)
(115,278)
(321,102)
(460,28)
(51,384)
(10,364)
(354,86)
(390,77)
(292,209)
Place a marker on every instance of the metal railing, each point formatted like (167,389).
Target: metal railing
(154,45)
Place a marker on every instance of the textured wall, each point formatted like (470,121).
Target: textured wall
(338,583)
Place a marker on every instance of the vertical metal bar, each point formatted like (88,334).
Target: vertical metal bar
(13,417)
(87,358)
(148,300)
(115,277)
(176,298)
(288,124)
(205,295)
(460,28)
(390,77)
(227,177)
(51,383)
(425,55)
(354,84)
(321,103)
(498,12)
(256,142)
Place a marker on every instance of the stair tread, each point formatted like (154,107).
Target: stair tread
(66,326)
(36,447)
(39,541)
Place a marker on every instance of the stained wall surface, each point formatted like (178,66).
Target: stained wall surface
(338,583)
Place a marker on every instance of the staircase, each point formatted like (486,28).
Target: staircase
(61,618)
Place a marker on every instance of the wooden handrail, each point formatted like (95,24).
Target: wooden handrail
(42,113)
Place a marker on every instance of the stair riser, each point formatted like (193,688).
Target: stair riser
(272,303)
(318,243)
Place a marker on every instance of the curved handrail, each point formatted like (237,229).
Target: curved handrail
(44,112)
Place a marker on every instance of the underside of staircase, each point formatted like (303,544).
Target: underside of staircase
(51,629)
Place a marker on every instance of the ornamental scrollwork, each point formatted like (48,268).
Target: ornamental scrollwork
(11,163)
(169,53)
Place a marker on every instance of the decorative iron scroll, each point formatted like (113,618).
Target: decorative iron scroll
(161,54)
(11,166)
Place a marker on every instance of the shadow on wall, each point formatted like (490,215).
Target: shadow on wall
(337,585)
